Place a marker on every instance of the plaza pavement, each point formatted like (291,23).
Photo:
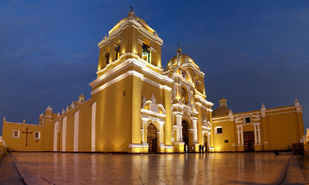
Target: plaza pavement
(210,168)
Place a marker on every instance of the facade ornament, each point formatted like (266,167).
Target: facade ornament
(67,108)
(231,115)
(24,121)
(49,108)
(143,100)
(297,105)
(263,110)
(187,59)
(63,111)
(4,119)
(153,99)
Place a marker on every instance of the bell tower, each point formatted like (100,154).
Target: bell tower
(131,37)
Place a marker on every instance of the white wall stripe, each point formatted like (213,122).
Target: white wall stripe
(93,120)
(64,133)
(55,136)
(76,127)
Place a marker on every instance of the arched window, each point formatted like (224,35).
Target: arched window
(196,81)
(184,75)
(184,97)
(117,49)
(146,52)
(107,55)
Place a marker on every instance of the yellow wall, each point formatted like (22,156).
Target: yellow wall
(283,131)
(228,133)
(19,144)
(279,128)
(114,115)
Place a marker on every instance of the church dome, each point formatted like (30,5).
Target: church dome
(183,58)
(131,16)
(222,110)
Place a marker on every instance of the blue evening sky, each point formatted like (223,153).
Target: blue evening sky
(251,51)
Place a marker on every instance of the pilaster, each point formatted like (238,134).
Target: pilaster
(179,144)
(136,146)
(168,126)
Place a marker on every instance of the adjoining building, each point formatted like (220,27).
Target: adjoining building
(137,106)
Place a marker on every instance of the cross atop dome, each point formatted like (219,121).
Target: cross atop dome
(131,13)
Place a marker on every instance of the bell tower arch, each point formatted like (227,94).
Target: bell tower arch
(131,37)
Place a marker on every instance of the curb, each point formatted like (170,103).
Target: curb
(27,177)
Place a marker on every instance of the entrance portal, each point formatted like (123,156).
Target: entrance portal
(152,138)
(205,143)
(249,141)
(185,135)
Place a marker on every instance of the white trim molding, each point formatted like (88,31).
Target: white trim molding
(128,63)
(64,133)
(129,73)
(76,129)
(93,121)
(39,135)
(216,131)
(55,135)
(18,133)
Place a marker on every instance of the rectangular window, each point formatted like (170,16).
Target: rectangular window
(15,133)
(219,130)
(226,141)
(248,120)
(37,135)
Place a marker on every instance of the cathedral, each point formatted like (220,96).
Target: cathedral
(139,106)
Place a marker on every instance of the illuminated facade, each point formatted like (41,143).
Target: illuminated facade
(136,106)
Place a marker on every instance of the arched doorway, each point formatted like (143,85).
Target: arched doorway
(152,138)
(205,143)
(185,135)
(249,141)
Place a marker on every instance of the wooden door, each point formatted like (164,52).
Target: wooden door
(185,135)
(152,138)
(249,141)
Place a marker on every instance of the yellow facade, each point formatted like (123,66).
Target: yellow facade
(137,106)
(262,130)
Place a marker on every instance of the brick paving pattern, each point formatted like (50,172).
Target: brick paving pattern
(304,164)
(294,174)
(8,172)
(212,168)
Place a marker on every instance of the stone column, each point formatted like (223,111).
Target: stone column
(144,121)
(259,134)
(194,122)
(179,127)
(238,134)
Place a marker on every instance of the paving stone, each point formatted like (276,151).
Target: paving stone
(8,172)
(211,168)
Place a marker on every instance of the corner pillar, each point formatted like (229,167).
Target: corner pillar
(179,144)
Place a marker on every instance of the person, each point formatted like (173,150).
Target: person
(192,148)
(200,148)
(203,148)
(276,152)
